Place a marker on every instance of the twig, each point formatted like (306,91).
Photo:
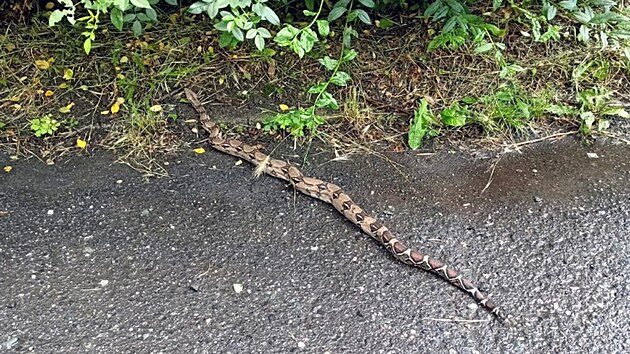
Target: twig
(456,320)
(557,135)
(494,166)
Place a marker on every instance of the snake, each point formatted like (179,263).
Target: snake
(341,201)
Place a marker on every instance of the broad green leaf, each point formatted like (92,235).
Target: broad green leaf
(238,34)
(251,33)
(259,41)
(367,3)
(323,28)
(286,35)
(197,7)
(483,48)
(87,46)
(336,13)
(363,16)
(328,62)
(340,78)
(55,17)
(136,28)
(269,15)
(319,88)
(151,14)
(496,4)
(264,32)
(171,2)
(141,3)
(116,16)
(420,125)
(453,116)
(326,100)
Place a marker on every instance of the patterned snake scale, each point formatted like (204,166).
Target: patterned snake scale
(333,194)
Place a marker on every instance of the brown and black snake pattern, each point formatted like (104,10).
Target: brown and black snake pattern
(334,195)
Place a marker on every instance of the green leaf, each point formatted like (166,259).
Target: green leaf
(323,27)
(55,17)
(363,16)
(319,88)
(420,125)
(141,3)
(137,28)
(87,46)
(142,17)
(116,16)
(308,38)
(561,110)
(328,62)
(259,41)
(326,100)
(496,4)
(385,23)
(129,18)
(286,35)
(264,32)
(251,33)
(269,15)
(453,116)
(197,8)
(151,14)
(225,39)
(171,2)
(367,3)
(212,9)
(238,34)
(340,78)
(483,48)
(336,13)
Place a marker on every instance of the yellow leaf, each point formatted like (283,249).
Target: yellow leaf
(42,64)
(81,144)
(124,60)
(115,107)
(283,107)
(67,108)
(67,74)
(14,98)
(120,100)
(49,93)
(156,108)
(200,150)
(83,87)
(7,169)
(64,85)
(104,113)
(50,5)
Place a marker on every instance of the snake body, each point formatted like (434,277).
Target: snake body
(333,194)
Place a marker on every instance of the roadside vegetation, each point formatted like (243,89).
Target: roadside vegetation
(81,74)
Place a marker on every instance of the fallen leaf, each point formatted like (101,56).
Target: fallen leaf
(49,93)
(200,150)
(42,64)
(124,59)
(155,108)
(83,87)
(67,108)
(15,99)
(120,100)
(283,107)
(68,74)
(115,107)
(81,144)
(104,113)
(7,169)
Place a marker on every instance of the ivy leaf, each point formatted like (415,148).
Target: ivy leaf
(340,78)
(326,100)
(141,3)
(116,17)
(286,35)
(323,27)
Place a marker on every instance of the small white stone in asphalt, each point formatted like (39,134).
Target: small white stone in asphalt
(592,155)
(238,288)
(50,212)
(301,345)
(103,282)
(119,181)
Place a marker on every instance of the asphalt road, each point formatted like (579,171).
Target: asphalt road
(93,259)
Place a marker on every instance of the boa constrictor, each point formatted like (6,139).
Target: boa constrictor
(334,195)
